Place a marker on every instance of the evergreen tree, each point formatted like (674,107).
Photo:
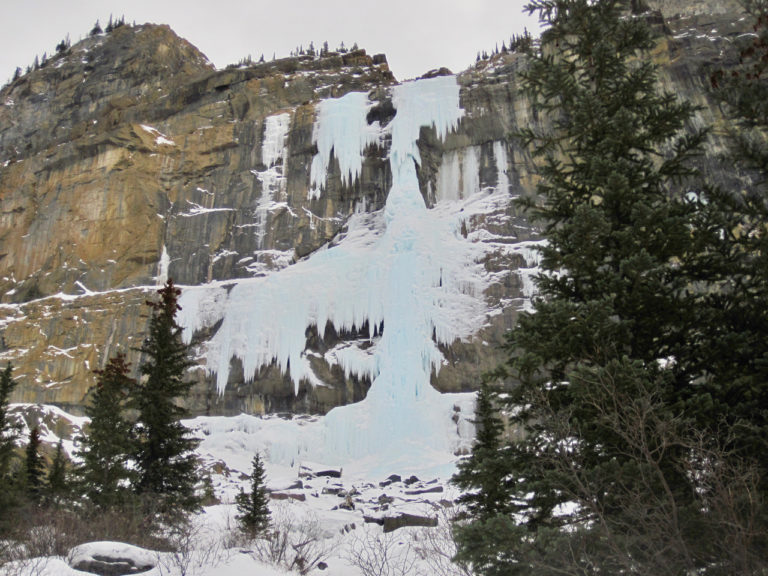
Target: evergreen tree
(34,467)
(485,479)
(253,508)
(600,478)
(9,433)
(483,476)
(735,333)
(57,487)
(165,461)
(105,445)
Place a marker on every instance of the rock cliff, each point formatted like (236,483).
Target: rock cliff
(129,158)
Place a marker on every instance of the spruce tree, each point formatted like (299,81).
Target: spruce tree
(106,443)
(253,508)
(483,475)
(9,430)
(735,334)
(598,478)
(165,462)
(34,467)
(57,487)
(9,433)
(485,479)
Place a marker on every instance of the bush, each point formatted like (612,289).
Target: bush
(294,545)
(375,553)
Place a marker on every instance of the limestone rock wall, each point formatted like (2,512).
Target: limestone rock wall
(129,158)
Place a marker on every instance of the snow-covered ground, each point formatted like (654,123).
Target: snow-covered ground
(341,512)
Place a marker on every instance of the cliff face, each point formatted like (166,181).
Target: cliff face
(129,159)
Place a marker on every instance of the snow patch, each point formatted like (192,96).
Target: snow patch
(160,138)
(199,210)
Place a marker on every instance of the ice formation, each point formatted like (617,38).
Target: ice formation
(273,155)
(342,129)
(406,266)
(162,267)
(459,174)
(502,164)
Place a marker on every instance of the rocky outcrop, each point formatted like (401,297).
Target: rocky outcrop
(129,158)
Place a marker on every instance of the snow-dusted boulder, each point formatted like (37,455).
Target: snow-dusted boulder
(111,558)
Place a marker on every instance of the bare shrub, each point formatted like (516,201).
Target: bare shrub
(44,532)
(375,553)
(24,566)
(436,547)
(193,549)
(295,545)
(232,536)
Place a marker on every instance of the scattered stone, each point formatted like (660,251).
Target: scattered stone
(322,566)
(433,490)
(333,490)
(219,467)
(384,499)
(301,497)
(373,520)
(392,523)
(411,480)
(390,480)
(329,473)
(347,504)
(307,472)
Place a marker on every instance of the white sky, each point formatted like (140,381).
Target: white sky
(416,35)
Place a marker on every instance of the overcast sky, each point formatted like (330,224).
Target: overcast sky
(416,35)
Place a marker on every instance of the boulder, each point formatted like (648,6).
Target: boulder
(111,558)
(390,480)
(432,490)
(392,523)
(299,497)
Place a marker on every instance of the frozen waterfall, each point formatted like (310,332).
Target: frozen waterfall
(406,266)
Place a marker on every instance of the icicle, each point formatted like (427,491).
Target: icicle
(342,129)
